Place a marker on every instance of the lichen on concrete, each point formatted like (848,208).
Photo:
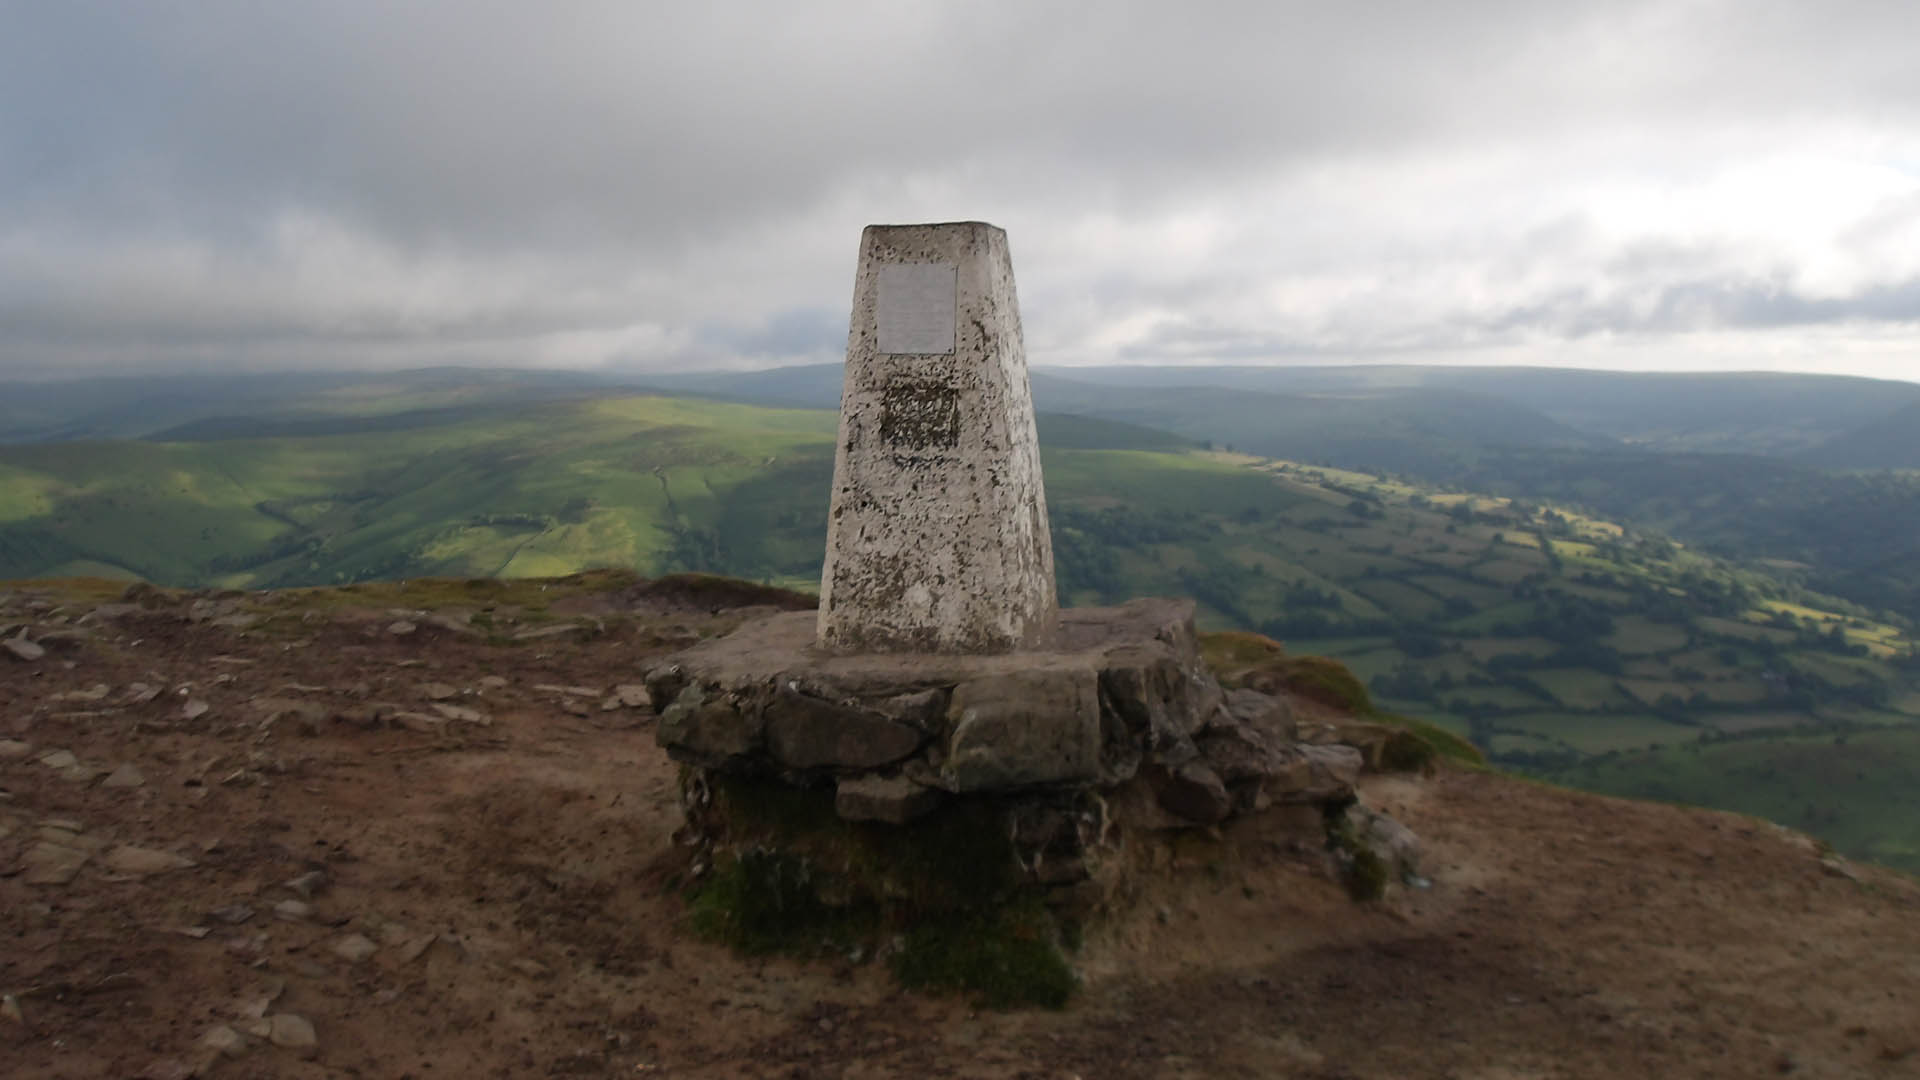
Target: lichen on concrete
(937,535)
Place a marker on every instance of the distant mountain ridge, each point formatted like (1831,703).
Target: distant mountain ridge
(1723,412)
(1892,442)
(1381,411)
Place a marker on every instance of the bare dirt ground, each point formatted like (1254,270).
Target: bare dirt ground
(423,854)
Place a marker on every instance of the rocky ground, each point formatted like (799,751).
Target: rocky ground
(419,831)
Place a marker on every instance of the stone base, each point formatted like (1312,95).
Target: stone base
(909,788)
(1121,695)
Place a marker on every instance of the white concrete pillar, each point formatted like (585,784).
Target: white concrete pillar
(937,535)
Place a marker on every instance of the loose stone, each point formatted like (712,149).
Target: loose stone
(225,1041)
(232,914)
(22,649)
(294,1033)
(143,862)
(462,714)
(49,863)
(354,948)
(310,884)
(128,775)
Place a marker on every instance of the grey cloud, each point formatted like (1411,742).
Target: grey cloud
(786,336)
(251,183)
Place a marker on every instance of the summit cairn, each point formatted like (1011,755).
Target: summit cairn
(937,534)
(938,740)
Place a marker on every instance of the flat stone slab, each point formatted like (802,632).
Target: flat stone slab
(783,644)
(1113,685)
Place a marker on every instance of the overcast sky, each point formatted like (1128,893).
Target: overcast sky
(279,186)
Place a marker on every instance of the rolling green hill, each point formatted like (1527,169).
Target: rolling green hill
(1891,442)
(1853,534)
(1558,641)
(1730,412)
(483,490)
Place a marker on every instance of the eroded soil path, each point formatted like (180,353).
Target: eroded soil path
(448,854)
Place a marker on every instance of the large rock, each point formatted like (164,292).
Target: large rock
(1024,728)
(806,732)
(1315,774)
(709,729)
(1394,843)
(1194,792)
(1160,695)
(1269,715)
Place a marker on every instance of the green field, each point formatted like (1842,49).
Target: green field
(1859,791)
(1554,639)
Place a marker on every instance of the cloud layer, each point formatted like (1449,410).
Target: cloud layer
(1678,184)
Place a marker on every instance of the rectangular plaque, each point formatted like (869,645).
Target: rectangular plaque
(916,308)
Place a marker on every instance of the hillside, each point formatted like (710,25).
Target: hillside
(422,829)
(1734,413)
(1401,428)
(1891,442)
(1550,637)
(1853,535)
(133,407)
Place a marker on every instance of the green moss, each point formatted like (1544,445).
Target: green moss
(1009,958)
(766,902)
(1365,873)
(802,881)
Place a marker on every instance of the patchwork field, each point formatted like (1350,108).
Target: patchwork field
(1549,636)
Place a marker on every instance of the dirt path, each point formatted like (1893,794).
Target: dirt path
(443,896)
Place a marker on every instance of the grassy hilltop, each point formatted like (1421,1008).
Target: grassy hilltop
(1561,643)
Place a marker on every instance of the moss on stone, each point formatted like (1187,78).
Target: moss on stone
(1364,872)
(763,902)
(791,877)
(1008,957)
(1366,875)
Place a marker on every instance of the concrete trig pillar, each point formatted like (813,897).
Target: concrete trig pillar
(937,535)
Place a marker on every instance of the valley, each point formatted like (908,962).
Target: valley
(1568,633)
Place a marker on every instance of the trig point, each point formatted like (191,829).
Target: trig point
(937,535)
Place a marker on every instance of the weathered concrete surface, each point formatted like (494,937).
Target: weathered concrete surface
(767,699)
(937,538)
(780,650)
